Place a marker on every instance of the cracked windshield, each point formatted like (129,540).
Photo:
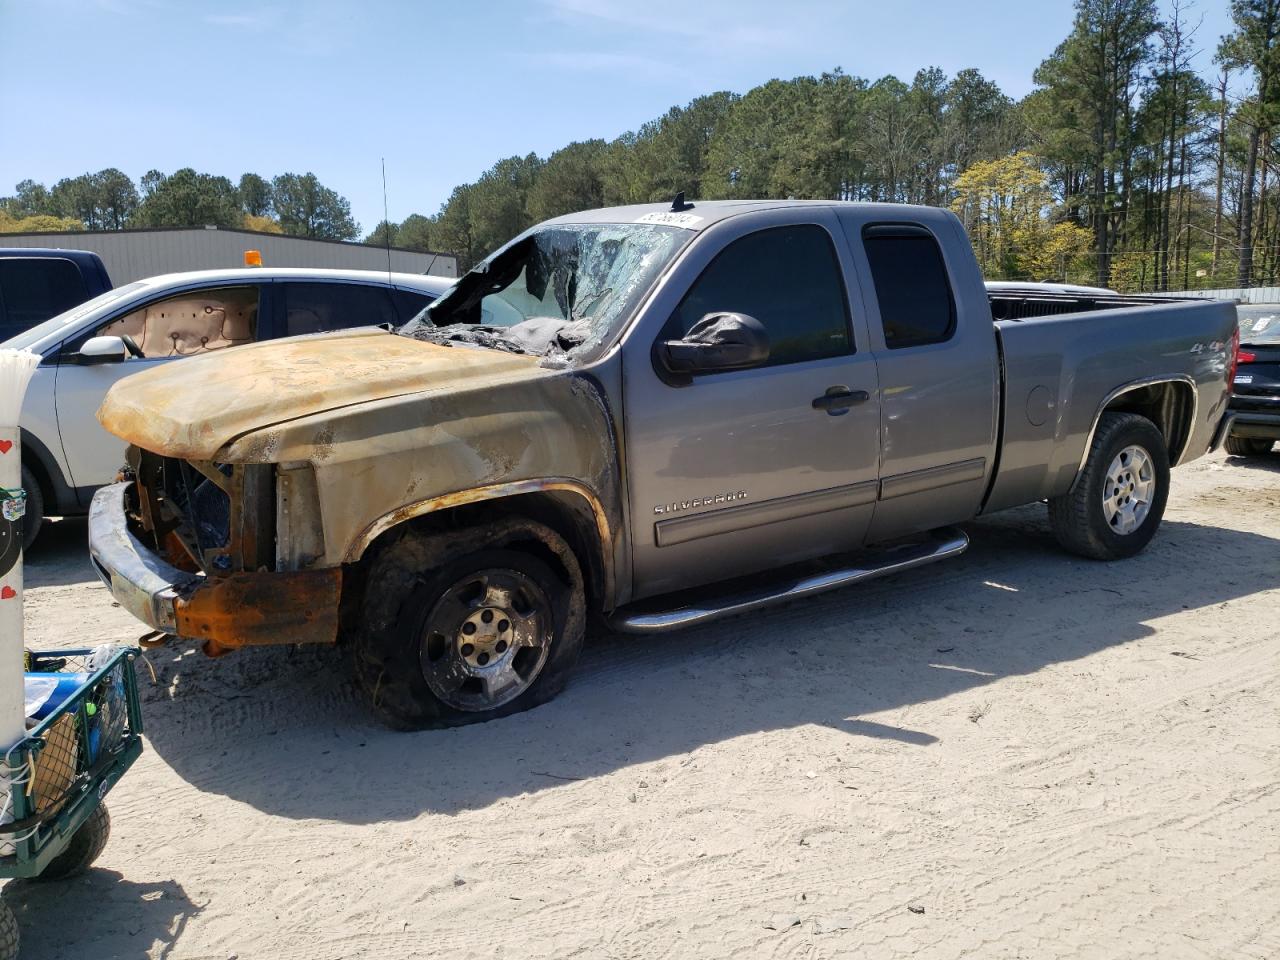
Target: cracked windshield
(559,292)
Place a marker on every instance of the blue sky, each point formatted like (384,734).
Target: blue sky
(442,90)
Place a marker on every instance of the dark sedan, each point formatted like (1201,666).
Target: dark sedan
(1255,396)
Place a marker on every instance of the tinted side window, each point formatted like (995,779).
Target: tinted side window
(789,279)
(320,307)
(409,304)
(36,289)
(916,305)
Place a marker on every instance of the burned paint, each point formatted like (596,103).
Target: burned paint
(271,383)
(483,433)
(366,431)
(252,609)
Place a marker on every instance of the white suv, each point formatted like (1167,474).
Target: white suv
(66,455)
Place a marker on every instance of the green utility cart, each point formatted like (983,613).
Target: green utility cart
(62,771)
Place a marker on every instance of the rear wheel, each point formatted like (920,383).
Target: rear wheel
(1118,500)
(8,933)
(85,847)
(1247,447)
(478,634)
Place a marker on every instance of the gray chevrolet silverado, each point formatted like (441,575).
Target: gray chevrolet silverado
(658,415)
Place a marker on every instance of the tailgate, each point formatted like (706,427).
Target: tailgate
(1257,382)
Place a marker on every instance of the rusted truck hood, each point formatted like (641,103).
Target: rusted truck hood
(194,408)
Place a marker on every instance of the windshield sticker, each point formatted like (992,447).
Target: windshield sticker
(686,220)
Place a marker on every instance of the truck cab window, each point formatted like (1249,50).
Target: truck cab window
(789,279)
(193,322)
(912,287)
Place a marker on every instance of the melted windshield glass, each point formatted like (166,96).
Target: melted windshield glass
(558,292)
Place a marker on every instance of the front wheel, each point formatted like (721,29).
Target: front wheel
(1247,446)
(1118,500)
(33,519)
(478,634)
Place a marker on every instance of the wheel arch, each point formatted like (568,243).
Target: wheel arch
(37,458)
(1168,401)
(569,508)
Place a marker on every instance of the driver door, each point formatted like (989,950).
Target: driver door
(745,470)
(168,328)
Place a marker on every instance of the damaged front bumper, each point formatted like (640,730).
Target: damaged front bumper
(227,612)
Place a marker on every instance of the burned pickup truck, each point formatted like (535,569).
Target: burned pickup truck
(654,415)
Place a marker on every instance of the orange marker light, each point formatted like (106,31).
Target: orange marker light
(253,258)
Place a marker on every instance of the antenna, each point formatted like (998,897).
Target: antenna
(386,220)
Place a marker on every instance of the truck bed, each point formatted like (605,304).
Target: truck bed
(1022,305)
(1061,364)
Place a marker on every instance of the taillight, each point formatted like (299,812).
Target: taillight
(1235,356)
(1245,356)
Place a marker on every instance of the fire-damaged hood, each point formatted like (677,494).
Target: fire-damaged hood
(194,408)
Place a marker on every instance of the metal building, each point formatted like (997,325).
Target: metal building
(132,254)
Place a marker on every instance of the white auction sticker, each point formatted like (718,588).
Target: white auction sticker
(686,220)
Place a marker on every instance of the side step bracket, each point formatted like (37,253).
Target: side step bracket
(647,618)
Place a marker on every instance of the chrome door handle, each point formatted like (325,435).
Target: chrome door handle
(838,400)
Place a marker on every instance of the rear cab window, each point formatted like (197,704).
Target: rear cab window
(917,305)
(789,279)
(33,289)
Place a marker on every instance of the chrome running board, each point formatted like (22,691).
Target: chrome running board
(646,618)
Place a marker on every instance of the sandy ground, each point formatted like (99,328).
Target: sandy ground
(1013,754)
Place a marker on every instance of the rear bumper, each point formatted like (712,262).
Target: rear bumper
(1254,416)
(1252,425)
(238,610)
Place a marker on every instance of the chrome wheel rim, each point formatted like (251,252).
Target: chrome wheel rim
(486,639)
(1128,489)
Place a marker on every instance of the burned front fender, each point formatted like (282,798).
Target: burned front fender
(381,462)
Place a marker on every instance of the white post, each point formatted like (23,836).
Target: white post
(16,369)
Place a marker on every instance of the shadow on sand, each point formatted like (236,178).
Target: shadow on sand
(1266,462)
(99,914)
(281,729)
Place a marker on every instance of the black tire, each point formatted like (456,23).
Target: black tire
(85,847)
(1247,447)
(34,518)
(1078,518)
(408,636)
(9,934)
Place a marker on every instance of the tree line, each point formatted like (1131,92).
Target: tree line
(294,204)
(1144,158)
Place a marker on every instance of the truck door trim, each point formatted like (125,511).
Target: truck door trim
(667,533)
(918,481)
